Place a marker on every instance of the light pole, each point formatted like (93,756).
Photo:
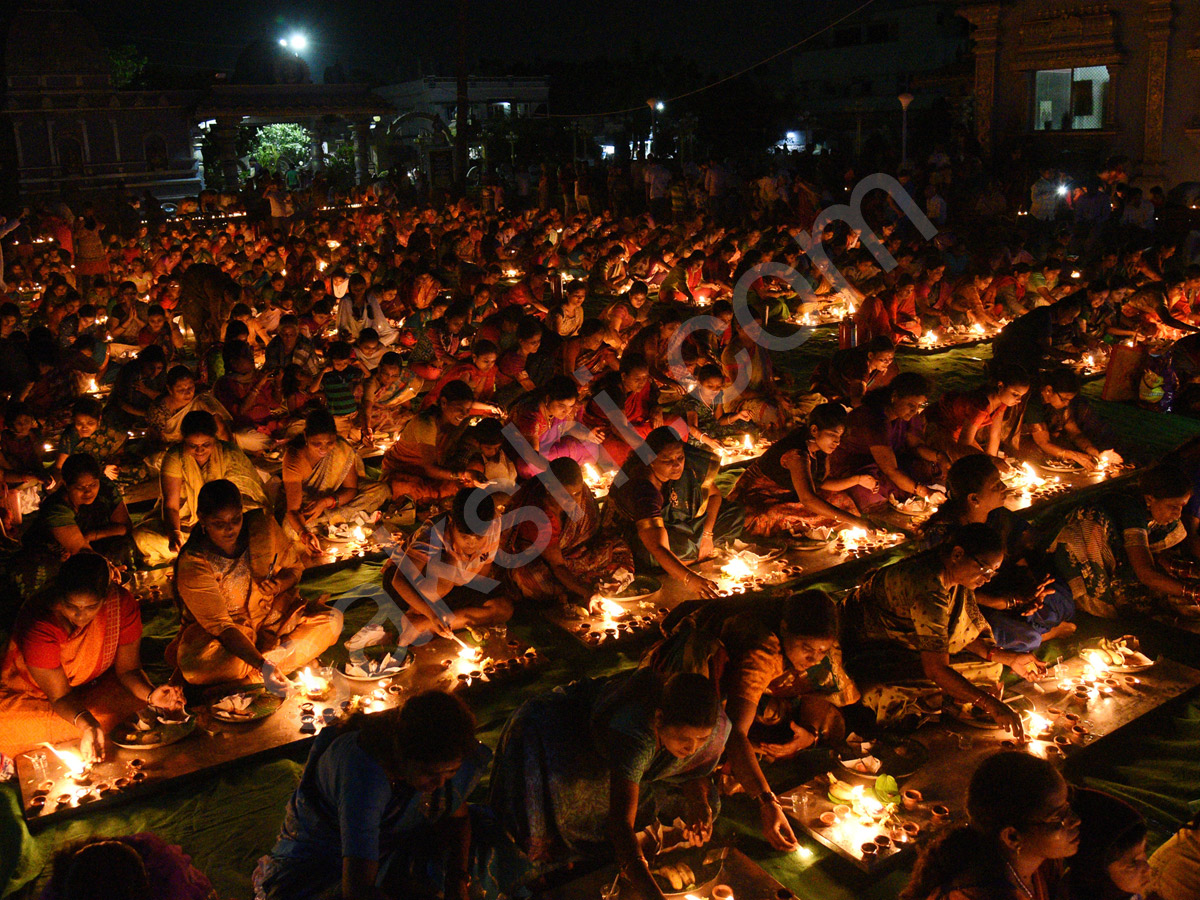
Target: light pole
(905,99)
(656,106)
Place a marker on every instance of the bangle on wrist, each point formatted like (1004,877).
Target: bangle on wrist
(767,796)
(75,721)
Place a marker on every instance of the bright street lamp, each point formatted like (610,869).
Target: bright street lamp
(298,42)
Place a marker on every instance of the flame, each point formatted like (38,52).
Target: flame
(591,474)
(977,328)
(610,609)
(1031,475)
(322,265)
(853,537)
(1036,724)
(311,683)
(1095,661)
(737,568)
(69,758)
(1089,361)
(470,654)
(359,533)
(747,444)
(930,337)
(91,386)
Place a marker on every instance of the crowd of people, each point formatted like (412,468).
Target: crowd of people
(217,391)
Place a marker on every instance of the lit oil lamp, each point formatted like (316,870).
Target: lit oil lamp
(312,685)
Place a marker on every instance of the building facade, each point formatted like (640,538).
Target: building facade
(1077,81)
(64,125)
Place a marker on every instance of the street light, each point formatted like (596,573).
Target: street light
(656,106)
(905,99)
(296,41)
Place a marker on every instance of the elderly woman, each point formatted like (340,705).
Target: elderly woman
(73,665)
(555,523)
(580,769)
(381,797)
(166,414)
(242,615)
(321,480)
(86,513)
(912,633)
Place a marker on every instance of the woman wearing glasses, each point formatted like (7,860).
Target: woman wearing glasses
(1020,829)
(920,617)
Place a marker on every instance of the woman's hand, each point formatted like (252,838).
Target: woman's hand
(776,828)
(705,546)
(93,747)
(1027,666)
(697,814)
(707,590)
(112,472)
(1005,716)
(176,541)
(802,739)
(311,543)
(870,482)
(166,696)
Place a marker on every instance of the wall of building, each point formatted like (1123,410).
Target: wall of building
(1021,39)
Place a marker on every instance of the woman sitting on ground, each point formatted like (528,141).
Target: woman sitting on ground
(566,560)
(780,672)
(242,616)
(885,438)
(382,804)
(580,769)
(980,421)
(622,407)
(546,420)
(788,488)
(417,465)
(913,635)
(165,415)
(1021,828)
(87,513)
(651,507)
(324,481)
(1109,552)
(74,663)
(1025,604)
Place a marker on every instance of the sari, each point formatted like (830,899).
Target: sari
(328,475)
(893,616)
(589,560)
(550,780)
(1089,554)
(86,658)
(771,504)
(218,592)
(422,443)
(168,422)
(551,438)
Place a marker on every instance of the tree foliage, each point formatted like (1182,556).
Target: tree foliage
(126,65)
(280,146)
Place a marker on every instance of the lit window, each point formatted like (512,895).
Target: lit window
(1070,99)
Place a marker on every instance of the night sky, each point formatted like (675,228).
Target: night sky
(388,38)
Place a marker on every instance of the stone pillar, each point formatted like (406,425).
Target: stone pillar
(362,151)
(986,19)
(1158,32)
(225,137)
(317,155)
